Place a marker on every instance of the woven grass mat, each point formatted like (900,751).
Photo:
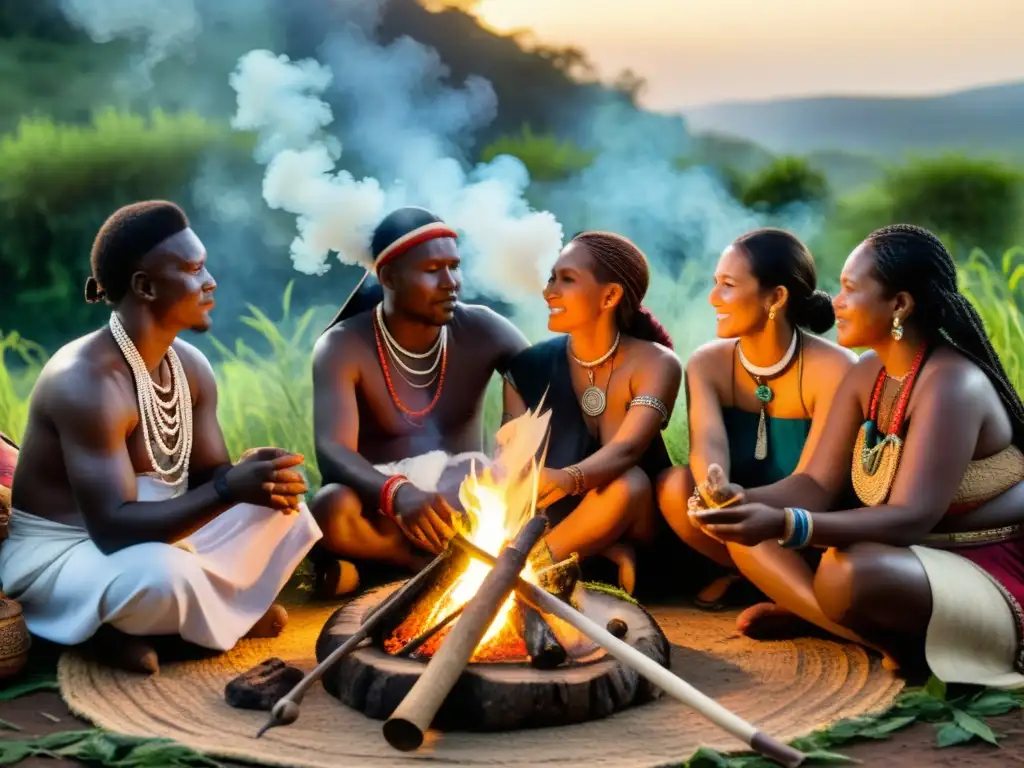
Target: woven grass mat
(787,688)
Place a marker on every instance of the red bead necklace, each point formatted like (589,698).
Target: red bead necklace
(409,414)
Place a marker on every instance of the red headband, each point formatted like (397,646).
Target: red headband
(411,239)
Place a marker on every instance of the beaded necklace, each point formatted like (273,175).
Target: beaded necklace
(409,415)
(162,420)
(875,460)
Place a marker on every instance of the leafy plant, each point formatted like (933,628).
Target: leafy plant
(957,720)
(105,748)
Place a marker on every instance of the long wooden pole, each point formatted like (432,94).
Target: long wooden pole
(286,710)
(671,683)
(412,718)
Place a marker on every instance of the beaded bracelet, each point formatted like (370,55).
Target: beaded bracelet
(388,492)
(579,481)
(799,528)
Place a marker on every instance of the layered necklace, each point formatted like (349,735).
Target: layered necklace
(593,400)
(761,376)
(876,454)
(165,413)
(395,351)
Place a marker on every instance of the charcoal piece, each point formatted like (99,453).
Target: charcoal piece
(262,686)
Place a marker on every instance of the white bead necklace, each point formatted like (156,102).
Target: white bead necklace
(160,418)
(394,348)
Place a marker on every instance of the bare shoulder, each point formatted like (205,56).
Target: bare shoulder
(952,378)
(80,380)
(826,362)
(712,360)
(345,345)
(652,355)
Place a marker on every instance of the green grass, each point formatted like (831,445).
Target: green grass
(265,390)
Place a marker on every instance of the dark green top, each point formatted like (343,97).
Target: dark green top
(786,439)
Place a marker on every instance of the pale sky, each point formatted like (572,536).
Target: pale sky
(700,51)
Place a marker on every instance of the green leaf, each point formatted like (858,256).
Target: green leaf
(991,702)
(950,735)
(885,728)
(705,757)
(974,726)
(824,757)
(9,726)
(31,684)
(936,688)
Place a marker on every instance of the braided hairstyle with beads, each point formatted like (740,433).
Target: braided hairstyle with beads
(912,259)
(617,259)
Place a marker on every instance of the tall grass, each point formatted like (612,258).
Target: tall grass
(266,394)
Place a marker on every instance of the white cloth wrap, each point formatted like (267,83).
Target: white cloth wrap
(209,588)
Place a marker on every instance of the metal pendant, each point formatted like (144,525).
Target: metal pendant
(593,401)
(761,446)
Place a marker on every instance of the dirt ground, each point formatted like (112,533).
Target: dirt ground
(913,747)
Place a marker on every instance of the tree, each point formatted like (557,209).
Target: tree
(784,181)
(972,203)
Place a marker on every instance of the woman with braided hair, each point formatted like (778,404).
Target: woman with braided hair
(610,379)
(758,396)
(930,569)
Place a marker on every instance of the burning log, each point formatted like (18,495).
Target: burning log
(541,644)
(286,710)
(407,725)
(417,642)
(663,678)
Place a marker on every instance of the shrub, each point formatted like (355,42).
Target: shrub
(59,182)
(545,157)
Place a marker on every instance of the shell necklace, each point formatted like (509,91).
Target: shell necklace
(764,393)
(166,423)
(593,400)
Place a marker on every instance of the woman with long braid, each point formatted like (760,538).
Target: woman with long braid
(930,430)
(610,380)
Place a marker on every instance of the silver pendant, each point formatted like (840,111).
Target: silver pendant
(593,401)
(761,445)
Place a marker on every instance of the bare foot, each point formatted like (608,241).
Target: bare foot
(122,651)
(625,558)
(713,596)
(768,621)
(271,624)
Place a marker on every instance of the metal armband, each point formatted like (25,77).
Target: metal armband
(651,402)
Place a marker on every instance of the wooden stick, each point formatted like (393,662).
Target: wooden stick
(665,679)
(286,710)
(417,642)
(409,722)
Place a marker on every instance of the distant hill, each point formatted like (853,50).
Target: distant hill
(985,120)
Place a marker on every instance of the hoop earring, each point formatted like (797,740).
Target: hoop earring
(897,329)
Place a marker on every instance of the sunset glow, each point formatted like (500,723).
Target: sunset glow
(700,51)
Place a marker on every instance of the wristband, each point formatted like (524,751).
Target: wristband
(220,485)
(388,492)
(579,481)
(799,528)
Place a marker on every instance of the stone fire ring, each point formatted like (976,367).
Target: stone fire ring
(499,696)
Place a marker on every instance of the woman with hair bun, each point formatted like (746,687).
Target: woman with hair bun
(611,380)
(757,397)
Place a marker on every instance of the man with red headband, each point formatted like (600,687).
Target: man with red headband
(399,379)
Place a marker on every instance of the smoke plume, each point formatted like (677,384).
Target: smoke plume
(405,126)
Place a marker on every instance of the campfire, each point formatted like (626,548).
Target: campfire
(493,636)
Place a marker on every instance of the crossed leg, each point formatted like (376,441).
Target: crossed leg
(605,520)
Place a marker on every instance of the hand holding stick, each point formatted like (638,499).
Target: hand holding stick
(671,683)
(409,722)
(286,710)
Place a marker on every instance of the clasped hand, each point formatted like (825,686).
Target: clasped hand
(746,524)
(265,477)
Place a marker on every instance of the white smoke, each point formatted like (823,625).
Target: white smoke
(166,25)
(404,125)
